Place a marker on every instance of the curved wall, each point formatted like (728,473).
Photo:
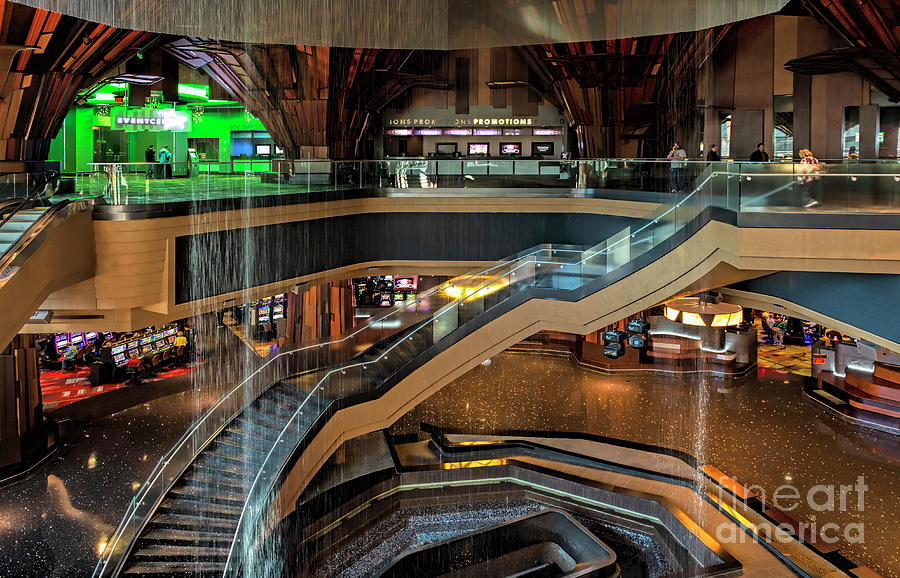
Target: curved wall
(221,262)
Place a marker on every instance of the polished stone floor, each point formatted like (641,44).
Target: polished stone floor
(760,429)
(55,521)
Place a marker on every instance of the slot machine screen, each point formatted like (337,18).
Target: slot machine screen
(118,349)
(146,349)
(172,331)
(77,339)
(62,341)
(133,345)
(119,359)
(170,339)
(264,313)
(386,300)
(278,312)
(90,336)
(406,283)
(109,335)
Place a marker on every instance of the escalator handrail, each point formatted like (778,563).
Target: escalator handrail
(23,242)
(31,196)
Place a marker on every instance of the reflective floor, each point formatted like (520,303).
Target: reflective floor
(761,430)
(54,522)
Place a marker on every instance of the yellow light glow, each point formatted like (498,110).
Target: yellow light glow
(101,545)
(736,317)
(671,314)
(466,293)
(689,318)
(474,464)
(721,320)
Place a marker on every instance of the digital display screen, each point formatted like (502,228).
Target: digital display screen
(487,132)
(279,151)
(170,339)
(263,149)
(541,148)
(510,148)
(428,131)
(77,339)
(172,331)
(478,148)
(146,349)
(445,148)
(458,131)
(62,340)
(278,312)
(133,344)
(119,359)
(399,132)
(405,283)
(545,131)
(91,336)
(566,155)
(512,132)
(118,349)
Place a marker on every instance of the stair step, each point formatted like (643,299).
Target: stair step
(193,523)
(213,466)
(204,509)
(206,480)
(171,553)
(834,400)
(171,536)
(269,420)
(175,569)
(203,494)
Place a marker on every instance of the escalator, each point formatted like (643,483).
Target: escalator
(43,247)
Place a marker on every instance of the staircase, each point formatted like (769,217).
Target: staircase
(18,224)
(192,530)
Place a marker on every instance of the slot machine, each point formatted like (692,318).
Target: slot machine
(264,314)
(77,339)
(62,342)
(118,354)
(278,311)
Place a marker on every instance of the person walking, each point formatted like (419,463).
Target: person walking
(777,333)
(713,154)
(165,157)
(677,159)
(149,158)
(808,169)
(760,155)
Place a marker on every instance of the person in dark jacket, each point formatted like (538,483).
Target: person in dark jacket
(760,155)
(713,154)
(150,158)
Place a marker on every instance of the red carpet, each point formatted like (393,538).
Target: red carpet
(59,388)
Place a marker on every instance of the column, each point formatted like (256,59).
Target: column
(869,126)
(22,432)
(802,107)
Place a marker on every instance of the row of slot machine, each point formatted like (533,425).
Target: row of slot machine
(79,340)
(146,344)
(383,290)
(269,308)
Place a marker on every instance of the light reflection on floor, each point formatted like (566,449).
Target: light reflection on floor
(761,431)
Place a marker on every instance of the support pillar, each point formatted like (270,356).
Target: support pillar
(869,126)
(22,432)
(802,108)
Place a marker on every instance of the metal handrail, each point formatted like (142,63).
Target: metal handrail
(31,196)
(102,568)
(519,263)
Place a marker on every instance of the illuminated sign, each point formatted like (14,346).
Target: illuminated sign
(152,119)
(460,122)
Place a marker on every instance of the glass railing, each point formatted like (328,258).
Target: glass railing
(440,313)
(322,353)
(840,185)
(544,268)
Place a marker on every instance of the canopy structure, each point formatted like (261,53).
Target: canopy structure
(413,24)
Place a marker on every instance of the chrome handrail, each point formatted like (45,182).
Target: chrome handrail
(103,564)
(519,263)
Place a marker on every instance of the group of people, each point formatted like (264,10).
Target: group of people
(162,170)
(808,168)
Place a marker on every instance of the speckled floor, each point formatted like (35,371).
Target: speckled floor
(760,430)
(54,522)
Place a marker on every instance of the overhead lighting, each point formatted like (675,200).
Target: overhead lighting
(692,311)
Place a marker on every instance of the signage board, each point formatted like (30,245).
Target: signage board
(150,119)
